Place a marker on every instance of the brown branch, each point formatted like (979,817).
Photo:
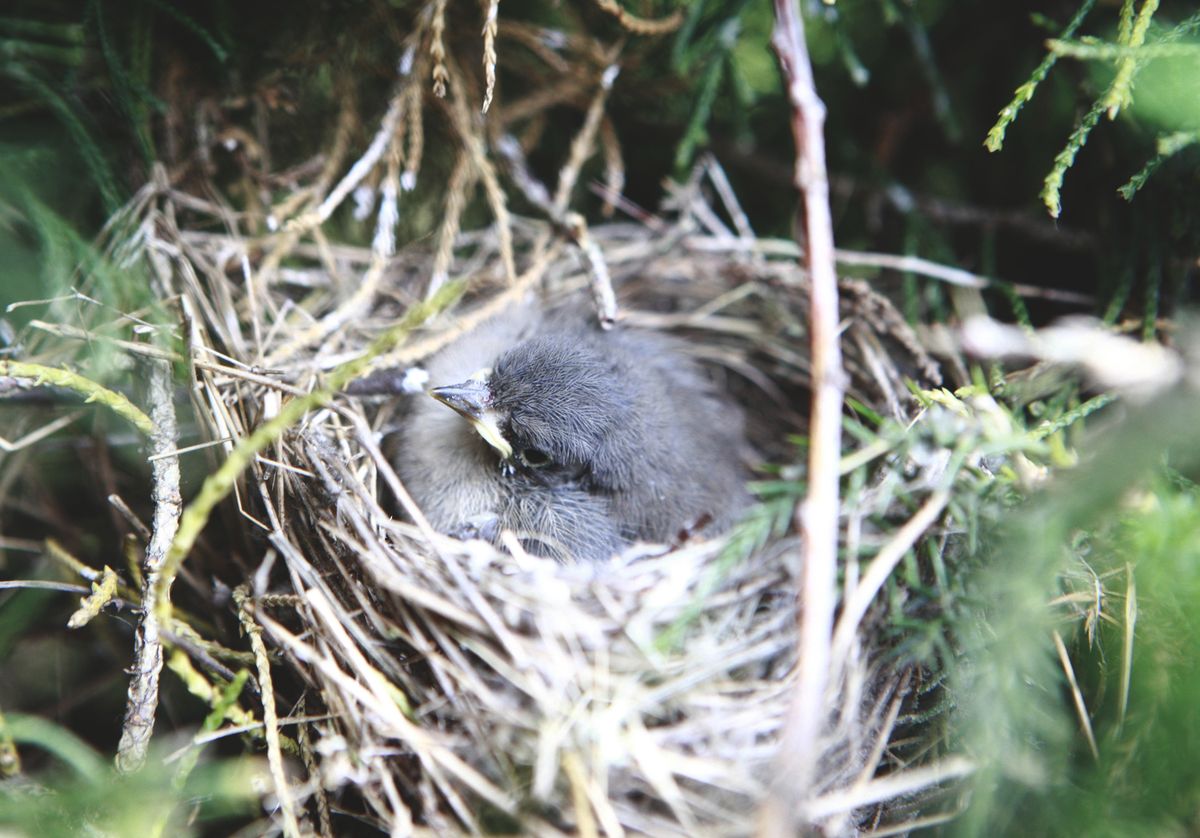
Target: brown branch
(817,515)
(142,702)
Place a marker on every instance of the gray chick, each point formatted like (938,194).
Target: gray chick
(578,441)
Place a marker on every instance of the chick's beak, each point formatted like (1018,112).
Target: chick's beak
(470,400)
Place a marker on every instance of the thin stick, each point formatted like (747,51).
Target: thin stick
(817,516)
(955,276)
(892,786)
(859,600)
(1085,722)
(489,53)
(642,26)
(584,143)
(437,49)
(471,138)
(889,261)
(283,792)
(142,702)
(576,776)
(721,183)
(462,181)
(1131,610)
(43,585)
(314,777)
(362,166)
(571,224)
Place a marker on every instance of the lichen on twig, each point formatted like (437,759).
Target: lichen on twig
(142,703)
(93,392)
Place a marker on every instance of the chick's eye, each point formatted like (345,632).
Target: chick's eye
(534,457)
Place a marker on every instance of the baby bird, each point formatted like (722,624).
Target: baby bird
(578,441)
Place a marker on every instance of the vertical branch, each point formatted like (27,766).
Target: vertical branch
(142,702)
(817,515)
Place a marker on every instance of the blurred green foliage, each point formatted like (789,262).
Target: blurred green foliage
(1145,781)
(1114,543)
(85,795)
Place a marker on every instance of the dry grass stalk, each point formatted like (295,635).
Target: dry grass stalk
(365,291)
(490,23)
(1085,720)
(571,224)
(470,134)
(283,793)
(324,815)
(458,188)
(584,143)
(641,26)
(437,48)
(339,148)
(541,41)
(614,166)
(560,91)
(416,138)
(954,275)
(1128,625)
(858,599)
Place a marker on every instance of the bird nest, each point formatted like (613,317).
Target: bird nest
(453,686)
(449,686)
